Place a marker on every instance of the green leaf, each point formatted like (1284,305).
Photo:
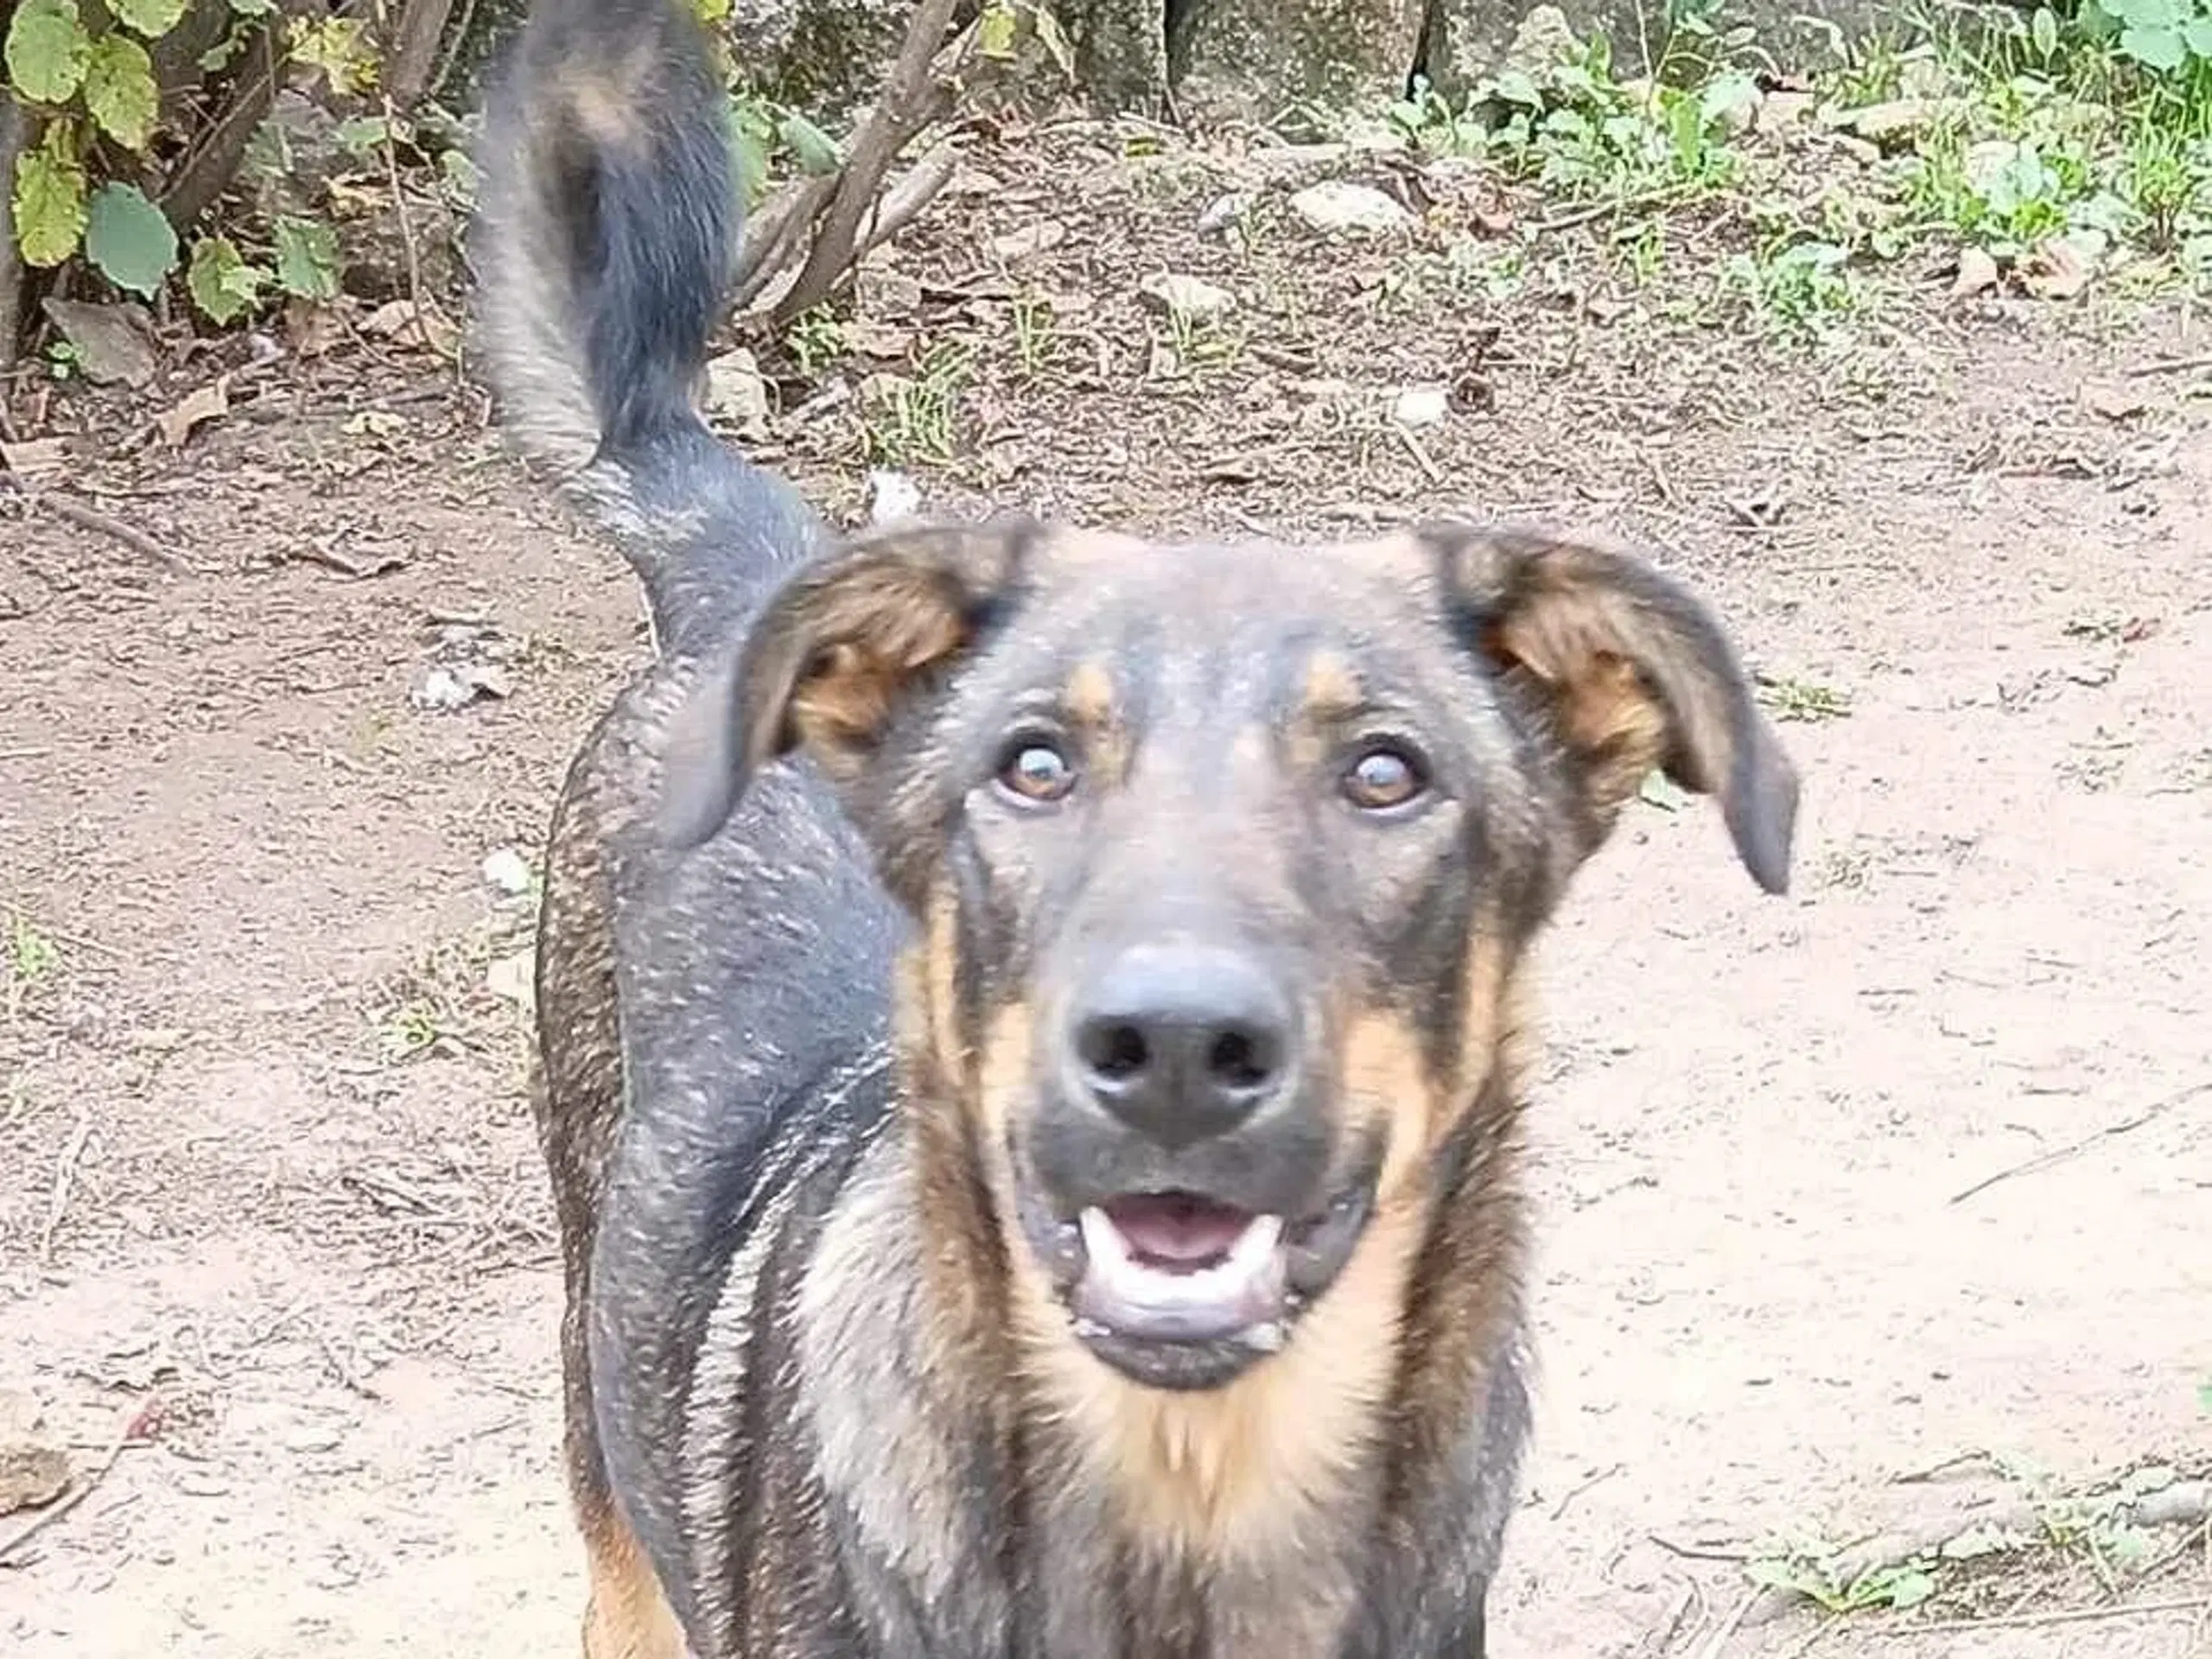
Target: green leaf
(48,200)
(2199,37)
(1908,1587)
(2149,14)
(307,259)
(252,8)
(152,18)
(127,239)
(815,150)
(2042,28)
(996,30)
(46,51)
(2159,47)
(221,282)
(119,90)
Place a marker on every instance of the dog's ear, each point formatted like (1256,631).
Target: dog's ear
(838,651)
(1630,672)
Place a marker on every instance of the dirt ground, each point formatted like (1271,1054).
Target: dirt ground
(267,1194)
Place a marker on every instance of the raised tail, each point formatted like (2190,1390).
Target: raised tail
(605,228)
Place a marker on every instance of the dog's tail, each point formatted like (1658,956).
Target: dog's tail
(606,225)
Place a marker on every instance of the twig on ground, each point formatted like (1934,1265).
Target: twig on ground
(1699,1552)
(65,1181)
(90,517)
(1729,1626)
(2059,1616)
(1422,457)
(2169,366)
(2043,1160)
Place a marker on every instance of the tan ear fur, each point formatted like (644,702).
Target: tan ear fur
(1634,673)
(827,664)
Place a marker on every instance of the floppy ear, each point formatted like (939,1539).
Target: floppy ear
(829,664)
(1632,672)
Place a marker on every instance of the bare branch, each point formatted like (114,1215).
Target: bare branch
(911,100)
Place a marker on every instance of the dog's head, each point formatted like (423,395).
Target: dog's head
(1223,858)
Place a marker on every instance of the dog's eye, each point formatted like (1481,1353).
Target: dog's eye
(1034,769)
(1384,776)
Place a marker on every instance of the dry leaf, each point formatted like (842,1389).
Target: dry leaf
(208,402)
(2054,270)
(35,457)
(406,323)
(1030,240)
(2114,403)
(310,330)
(1977,274)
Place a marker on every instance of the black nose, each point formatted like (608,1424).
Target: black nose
(1183,1042)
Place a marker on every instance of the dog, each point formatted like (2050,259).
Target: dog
(1030,1021)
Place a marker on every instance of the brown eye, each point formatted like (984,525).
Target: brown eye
(1035,770)
(1383,776)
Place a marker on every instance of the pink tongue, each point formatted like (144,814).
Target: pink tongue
(1177,1229)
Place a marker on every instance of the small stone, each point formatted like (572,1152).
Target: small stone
(2114,403)
(886,294)
(1185,296)
(1221,214)
(512,979)
(1338,205)
(892,497)
(33,1469)
(1420,406)
(1543,42)
(1977,274)
(1898,119)
(1784,111)
(114,344)
(737,393)
(507,871)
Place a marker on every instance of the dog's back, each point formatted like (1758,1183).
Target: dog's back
(750,976)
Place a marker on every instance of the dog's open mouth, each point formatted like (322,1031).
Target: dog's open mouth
(1178,1268)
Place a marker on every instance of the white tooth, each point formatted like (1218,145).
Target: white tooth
(1254,1245)
(1139,1284)
(1104,1240)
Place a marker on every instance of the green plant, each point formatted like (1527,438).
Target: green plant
(1802,290)
(90,94)
(815,338)
(916,417)
(1817,1574)
(1035,336)
(31,962)
(1574,127)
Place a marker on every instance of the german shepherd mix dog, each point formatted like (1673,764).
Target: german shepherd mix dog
(1029,1018)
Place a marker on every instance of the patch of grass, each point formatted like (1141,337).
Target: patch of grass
(468,994)
(1036,336)
(1805,290)
(32,961)
(1817,1573)
(1801,700)
(914,419)
(1575,129)
(815,340)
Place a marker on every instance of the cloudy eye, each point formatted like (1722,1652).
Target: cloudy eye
(1384,775)
(1035,769)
